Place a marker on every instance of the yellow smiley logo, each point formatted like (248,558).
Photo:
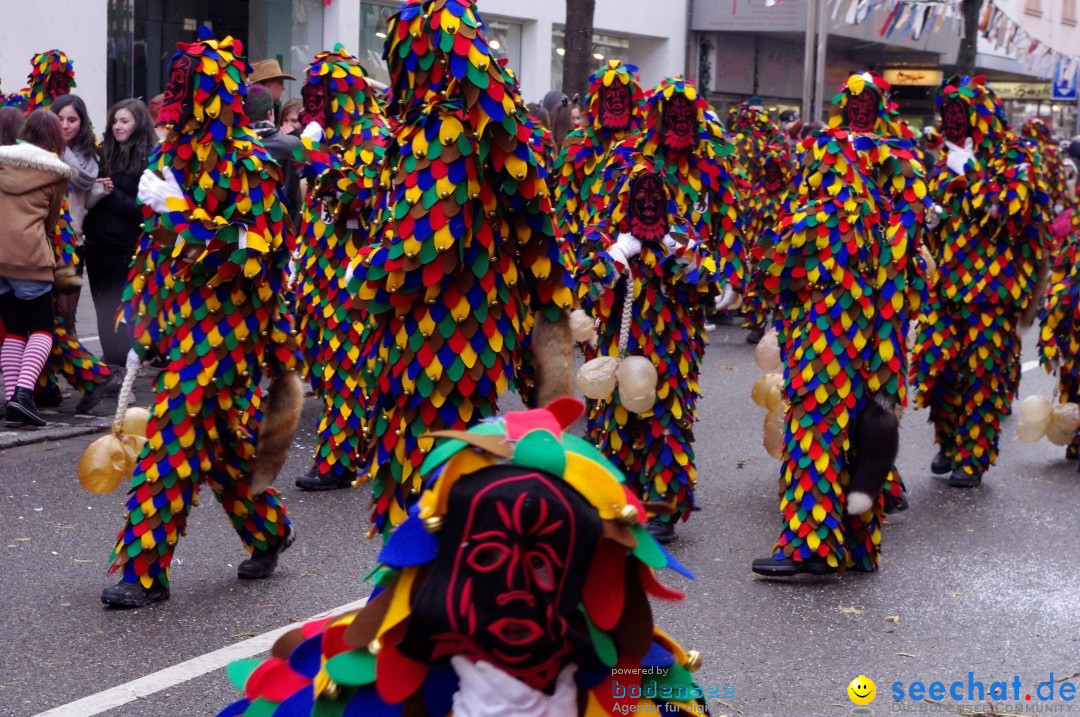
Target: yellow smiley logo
(862,690)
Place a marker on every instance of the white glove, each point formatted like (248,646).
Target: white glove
(486,691)
(727,297)
(669,243)
(153,190)
(625,248)
(313,131)
(933,217)
(958,157)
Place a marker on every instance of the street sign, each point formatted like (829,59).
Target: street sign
(1064,86)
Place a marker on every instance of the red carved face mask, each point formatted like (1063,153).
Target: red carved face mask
(506,582)
(954,121)
(774,178)
(316,104)
(58,84)
(860,112)
(615,106)
(648,208)
(177,103)
(678,124)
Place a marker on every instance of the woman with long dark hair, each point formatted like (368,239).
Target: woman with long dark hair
(33,182)
(80,155)
(114,224)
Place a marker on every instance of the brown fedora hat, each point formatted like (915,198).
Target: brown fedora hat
(266,70)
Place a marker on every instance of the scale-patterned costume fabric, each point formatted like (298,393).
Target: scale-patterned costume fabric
(343,192)
(46,69)
(356,663)
(845,282)
(207,299)
(70,359)
(769,167)
(706,186)
(987,249)
(1049,163)
(587,150)
(655,449)
(1059,317)
(468,254)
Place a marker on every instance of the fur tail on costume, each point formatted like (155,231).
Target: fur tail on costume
(1038,295)
(279,424)
(876,441)
(553,353)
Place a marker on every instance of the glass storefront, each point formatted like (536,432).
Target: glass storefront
(504,36)
(143,36)
(605,47)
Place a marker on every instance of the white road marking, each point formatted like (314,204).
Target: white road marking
(177,674)
(1028,365)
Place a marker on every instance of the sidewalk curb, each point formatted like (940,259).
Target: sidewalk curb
(14,439)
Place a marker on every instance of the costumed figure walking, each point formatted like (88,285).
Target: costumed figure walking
(205,298)
(519,587)
(642,268)
(766,159)
(988,247)
(1059,316)
(845,274)
(613,113)
(344,145)
(469,259)
(52,75)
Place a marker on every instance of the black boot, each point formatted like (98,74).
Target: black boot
(662,531)
(772,567)
(127,595)
(95,395)
(896,505)
(21,410)
(315,481)
(941,464)
(756,335)
(262,563)
(1072,452)
(49,397)
(959,478)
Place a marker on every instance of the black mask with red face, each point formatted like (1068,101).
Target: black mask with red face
(954,121)
(678,124)
(861,111)
(507,579)
(178,100)
(647,208)
(316,104)
(58,84)
(774,177)
(615,103)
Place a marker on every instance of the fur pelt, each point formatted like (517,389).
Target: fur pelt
(279,423)
(553,354)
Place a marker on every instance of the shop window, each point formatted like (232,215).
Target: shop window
(1068,12)
(605,47)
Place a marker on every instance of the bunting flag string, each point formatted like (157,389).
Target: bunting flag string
(1033,54)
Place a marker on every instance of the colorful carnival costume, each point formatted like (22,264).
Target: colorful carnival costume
(53,75)
(613,111)
(342,167)
(519,586)
(987,248)
(845,275)
(644,244)
(468,255)
(767,161)
(205,297)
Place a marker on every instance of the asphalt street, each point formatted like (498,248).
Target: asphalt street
(982,581)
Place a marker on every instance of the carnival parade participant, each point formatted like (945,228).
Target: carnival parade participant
(766,158)
(613,112)
(204,298)
(344,145)
(469,260)
(644,265)
(519,586)
(844,275)
(987,247)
